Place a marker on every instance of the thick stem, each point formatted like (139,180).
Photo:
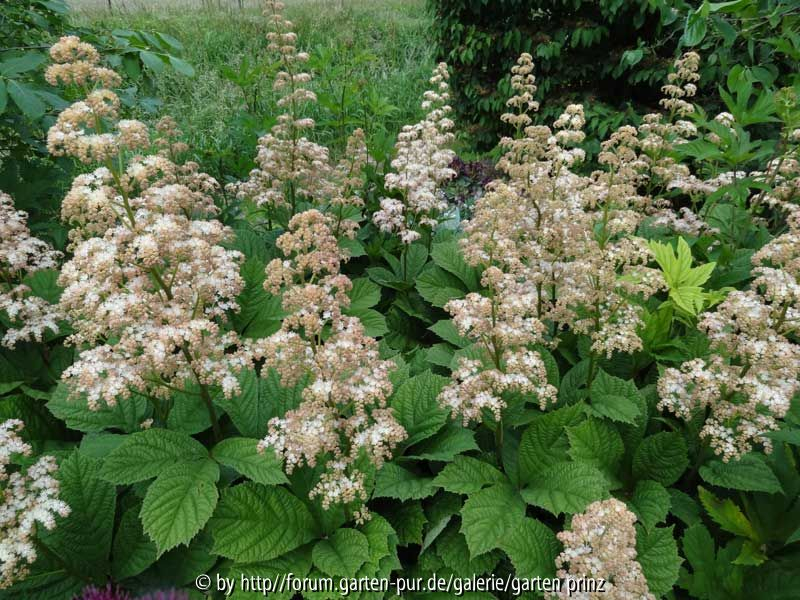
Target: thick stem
(212,413)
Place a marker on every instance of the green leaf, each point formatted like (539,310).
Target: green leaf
(297,562)
(751,554)
(661,457)
(260,312)
(545,442)
(446,444)
(179,567)
(126,414)
(452,548)
(381,538)
(155,62)
(22,64)
(179,502)
(133,552)
(181,66)
(650,502)
(242,455)
(446,330)
(684,281)
(447,255)
(364,294)
(255,523)
(44,283)
(532,548)
(695,29)
(3,97)
(597,443)
(393,481)
(615,398)
(488,516)
(684,507)
(750,474)
(261,399)
(727,514)
(657,553)
(374,322)
(147,453)
(438,286)
(466,475)
(408,520)
(26,99)
(567,488)
(100,445)
(9,386)
(188,413)
(82,540)
(342,554)
(699,550)
(417,407)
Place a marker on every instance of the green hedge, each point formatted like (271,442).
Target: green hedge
(612,55)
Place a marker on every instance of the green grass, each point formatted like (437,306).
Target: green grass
(379,51)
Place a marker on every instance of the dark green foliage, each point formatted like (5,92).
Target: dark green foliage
(612,55)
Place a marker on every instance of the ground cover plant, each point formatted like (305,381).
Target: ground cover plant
(355,356)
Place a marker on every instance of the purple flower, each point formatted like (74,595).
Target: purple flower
(166,595)
(108,592)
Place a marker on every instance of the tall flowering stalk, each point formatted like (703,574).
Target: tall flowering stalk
(748,382)
(343,418)
(601,544)
(149,284)
(421,165)
(27,497)
(291,167)
(21,254)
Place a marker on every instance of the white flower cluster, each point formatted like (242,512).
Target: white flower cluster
(422,165)
(21,254)
(748,382)
(291,166)
(28,498)
(601,544)
(343,417)
(149,285)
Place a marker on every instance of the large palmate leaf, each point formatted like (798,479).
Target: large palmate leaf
(82,540)
(750,473)
(393,481)
(532,548)
(567,487)
(466,475)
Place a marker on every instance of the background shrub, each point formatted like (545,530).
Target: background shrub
(612,55)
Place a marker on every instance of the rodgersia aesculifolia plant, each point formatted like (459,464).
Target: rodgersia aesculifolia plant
(521,392)
(343,415)
(149,284)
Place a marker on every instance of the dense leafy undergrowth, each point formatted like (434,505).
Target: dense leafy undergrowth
(333,370)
